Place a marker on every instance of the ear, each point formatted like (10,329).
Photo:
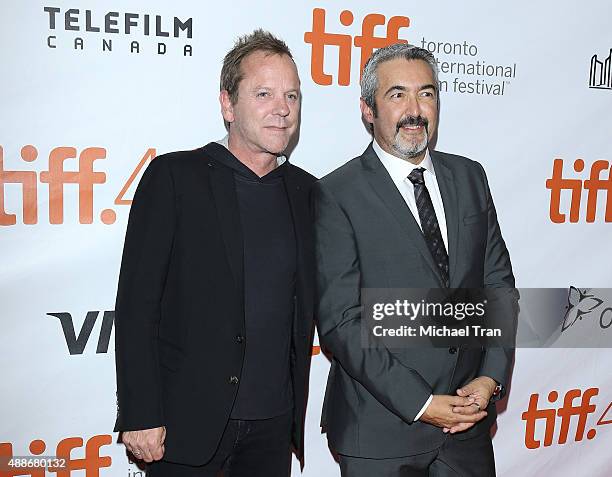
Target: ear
(366,111)
(227,108)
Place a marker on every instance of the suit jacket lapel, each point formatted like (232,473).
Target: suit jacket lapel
(385,188)
(223,190)
(448,191)
(300,210)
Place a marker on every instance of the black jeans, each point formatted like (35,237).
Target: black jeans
(258,448)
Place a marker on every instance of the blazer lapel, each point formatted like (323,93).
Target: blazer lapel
(228,214)
(300,210)
(448,191)
(384,187)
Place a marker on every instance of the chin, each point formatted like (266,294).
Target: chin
(419,145)
(276,147)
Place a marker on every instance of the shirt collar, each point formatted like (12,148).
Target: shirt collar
(399,169)
(225,143)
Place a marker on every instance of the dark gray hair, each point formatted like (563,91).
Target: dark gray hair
(259,40)
(369,78)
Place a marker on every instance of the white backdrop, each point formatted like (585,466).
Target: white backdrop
(127,103)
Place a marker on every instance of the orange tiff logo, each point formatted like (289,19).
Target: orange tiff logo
(366,42)
(581,409)
(84,177)
(558,183)
(13,466)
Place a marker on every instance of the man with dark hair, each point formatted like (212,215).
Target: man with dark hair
(215,298)
(404,216)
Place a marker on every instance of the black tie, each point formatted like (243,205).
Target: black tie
(429,223)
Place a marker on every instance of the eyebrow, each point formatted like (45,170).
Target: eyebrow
(403,88)
(258,87)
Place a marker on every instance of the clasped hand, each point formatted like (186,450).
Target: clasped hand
(458,413)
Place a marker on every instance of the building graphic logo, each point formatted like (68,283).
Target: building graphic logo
(600,76)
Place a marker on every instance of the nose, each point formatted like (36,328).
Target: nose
(413,107)
(282,107)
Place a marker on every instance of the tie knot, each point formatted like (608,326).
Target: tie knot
(416,176)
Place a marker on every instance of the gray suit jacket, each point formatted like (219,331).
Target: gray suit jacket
(366,237)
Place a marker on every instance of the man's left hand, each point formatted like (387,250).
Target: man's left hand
(481,389)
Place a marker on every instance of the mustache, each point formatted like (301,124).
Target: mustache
(412,121)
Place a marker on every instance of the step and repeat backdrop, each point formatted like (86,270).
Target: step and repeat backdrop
(91,92)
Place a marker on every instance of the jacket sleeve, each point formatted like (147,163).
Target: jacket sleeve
(401,389)
(498,275)
(146,254)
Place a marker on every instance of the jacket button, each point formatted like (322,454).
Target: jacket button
(452,350)
(239,339)
(233,380)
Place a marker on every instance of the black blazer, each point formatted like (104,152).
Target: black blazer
(180,309)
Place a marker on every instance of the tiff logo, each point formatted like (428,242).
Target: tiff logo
(56,176)
(366,42)
(76,345)
(582,410)
(91,463)
(600,75)
(557,184)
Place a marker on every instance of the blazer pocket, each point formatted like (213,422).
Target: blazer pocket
(475,218)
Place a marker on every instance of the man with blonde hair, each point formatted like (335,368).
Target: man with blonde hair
(215,299)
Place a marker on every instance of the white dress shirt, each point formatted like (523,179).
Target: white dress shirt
(399,169)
